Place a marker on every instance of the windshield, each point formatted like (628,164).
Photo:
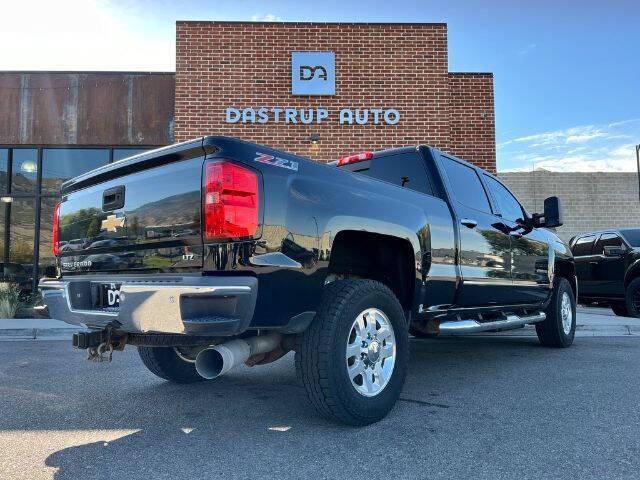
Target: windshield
(632,237)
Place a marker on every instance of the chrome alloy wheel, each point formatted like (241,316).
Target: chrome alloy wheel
(566,312)
(371,352)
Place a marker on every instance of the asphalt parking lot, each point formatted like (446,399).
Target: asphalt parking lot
(482,407)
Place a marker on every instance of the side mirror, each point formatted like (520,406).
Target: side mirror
(552,216)
(613,251)
(552,212)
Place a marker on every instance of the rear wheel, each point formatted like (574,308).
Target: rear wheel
(559,328)
(633,298)
(352,359)
(620,310)
(170,363)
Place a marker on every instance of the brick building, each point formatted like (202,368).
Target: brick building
(248,65)
(321,90)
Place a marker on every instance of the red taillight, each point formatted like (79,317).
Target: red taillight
(358,157)
(231,201)
(55,234)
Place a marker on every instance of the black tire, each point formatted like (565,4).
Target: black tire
(633,298)
(551,332)
(165,363)
(321,362)
(620,310)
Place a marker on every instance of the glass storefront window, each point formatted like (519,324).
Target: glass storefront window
(62,164)
(46,218)
(4,169)
(24,171)
(120,153)
(18,217)
(21,228)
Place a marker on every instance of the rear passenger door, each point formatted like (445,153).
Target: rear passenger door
(484,249)
(412,171)
(584,262)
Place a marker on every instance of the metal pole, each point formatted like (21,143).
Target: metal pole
(638,164)
(7,213)
(36,237)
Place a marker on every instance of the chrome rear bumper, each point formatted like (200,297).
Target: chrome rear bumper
(195,305)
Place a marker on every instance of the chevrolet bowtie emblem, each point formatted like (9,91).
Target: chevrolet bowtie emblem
(111,223)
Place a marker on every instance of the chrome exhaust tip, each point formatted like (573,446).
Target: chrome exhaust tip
(215,361)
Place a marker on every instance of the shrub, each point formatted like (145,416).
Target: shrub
(10,300)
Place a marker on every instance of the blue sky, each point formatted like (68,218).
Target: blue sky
(567,74)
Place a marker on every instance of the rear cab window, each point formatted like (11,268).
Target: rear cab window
(583,245)
(405,170)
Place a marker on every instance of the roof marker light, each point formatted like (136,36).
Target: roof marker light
(358,157)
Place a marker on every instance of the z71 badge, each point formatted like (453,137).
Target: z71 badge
(276,161)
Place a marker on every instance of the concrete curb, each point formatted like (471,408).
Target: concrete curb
(36,334)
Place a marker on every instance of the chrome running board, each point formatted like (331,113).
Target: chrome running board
(474,326)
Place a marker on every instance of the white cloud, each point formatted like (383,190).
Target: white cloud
(585,148)
(269,17)
(584,137)
(623,122)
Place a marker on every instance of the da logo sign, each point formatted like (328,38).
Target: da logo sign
(313,73)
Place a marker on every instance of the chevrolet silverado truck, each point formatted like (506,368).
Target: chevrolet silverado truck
(217,252)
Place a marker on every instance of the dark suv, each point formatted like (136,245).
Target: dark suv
(608,269)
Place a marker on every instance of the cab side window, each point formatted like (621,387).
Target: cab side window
(509,208)
(607,240)
(583,246)
(466,185)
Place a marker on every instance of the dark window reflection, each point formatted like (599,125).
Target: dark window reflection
(46,220)
(120,153)
(3,215)
(62,164)
(21,241)
(19,269)
(24,170)
(4,165)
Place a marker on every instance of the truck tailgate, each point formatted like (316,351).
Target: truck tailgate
(142,219)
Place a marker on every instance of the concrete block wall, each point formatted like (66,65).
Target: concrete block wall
(592,201)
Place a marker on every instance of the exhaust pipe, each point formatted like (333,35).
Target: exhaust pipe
(215,361)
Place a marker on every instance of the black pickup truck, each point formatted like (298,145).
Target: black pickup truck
(216,252)
(608,269)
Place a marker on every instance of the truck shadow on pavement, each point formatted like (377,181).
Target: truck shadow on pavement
(255,422)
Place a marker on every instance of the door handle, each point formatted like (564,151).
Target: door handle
(113,198)
(468,222)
